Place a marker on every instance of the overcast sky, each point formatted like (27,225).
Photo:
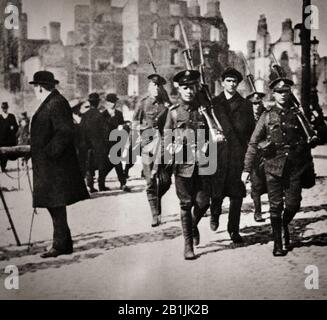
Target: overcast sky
(241,17)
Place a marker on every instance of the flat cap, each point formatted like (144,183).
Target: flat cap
(157,79)
(232,72)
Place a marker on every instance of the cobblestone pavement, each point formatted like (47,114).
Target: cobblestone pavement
(119,256)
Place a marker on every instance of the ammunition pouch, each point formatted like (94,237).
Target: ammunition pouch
(267,149)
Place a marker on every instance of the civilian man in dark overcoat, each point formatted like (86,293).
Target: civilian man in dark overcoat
(94,143)
(57,180)
(114,120)
(8,130)
(237,120)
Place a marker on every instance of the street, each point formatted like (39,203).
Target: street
(119,256)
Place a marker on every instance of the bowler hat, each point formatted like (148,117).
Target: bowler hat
(157,79)
(187,77)
(44,77)
(4,105)
(112,97)
(232,72)
(94,97)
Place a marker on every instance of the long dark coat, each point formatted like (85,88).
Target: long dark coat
(8,129)
(93,136)
(237,120)
(57,179)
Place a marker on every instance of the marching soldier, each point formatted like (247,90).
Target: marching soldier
(236,117)
(287,160)
(184,117)
(257,176)
(149,119)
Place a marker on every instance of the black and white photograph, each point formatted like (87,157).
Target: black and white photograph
(163,150)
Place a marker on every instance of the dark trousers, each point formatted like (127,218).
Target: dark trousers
(3,163)
(191,194)
(119,171)
(287,187)
(62,240)
(152,189)
(234,212)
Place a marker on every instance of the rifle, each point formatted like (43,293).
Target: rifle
(204,96)
(249,75)
(164,94)
(151,58)
(312,138)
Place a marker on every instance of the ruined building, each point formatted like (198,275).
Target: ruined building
(109,47)
(287,54)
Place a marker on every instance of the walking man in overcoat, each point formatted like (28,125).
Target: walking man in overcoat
(94,144)
(236,117)
(114,120)
(57,180)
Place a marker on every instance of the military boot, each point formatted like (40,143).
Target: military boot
(276,224)
(155,212)
(196,217)
(287,218)
(257,209)
(215,209)
(186,220)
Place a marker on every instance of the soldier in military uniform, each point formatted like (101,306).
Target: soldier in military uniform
(257,176)
(148,120)
(287,157)
(184,117)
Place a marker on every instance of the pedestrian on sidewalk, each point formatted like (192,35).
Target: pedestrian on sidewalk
(8,131)
(57,180)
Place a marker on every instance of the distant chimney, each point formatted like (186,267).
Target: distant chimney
(287,31)
(213,9)
(194,9)
(55,32)
(262,25)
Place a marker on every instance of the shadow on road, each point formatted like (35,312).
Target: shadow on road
(101,242)
(92,242)
(261,234)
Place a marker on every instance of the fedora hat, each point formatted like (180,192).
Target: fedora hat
(44,77)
